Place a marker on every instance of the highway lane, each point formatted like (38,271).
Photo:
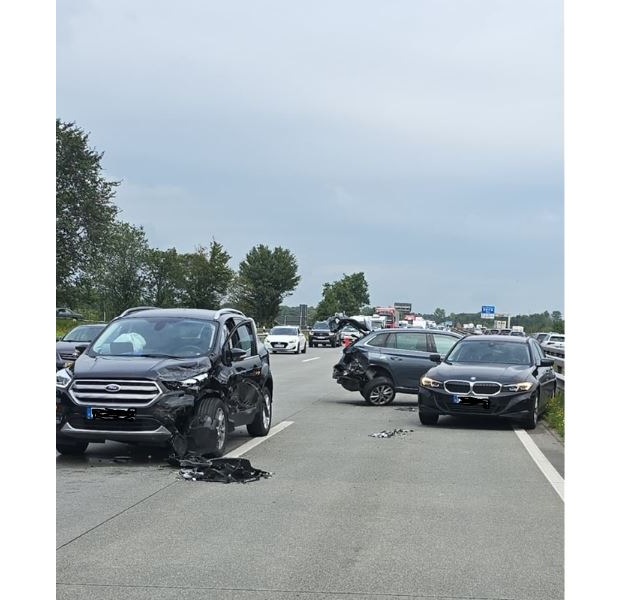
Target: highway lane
(454,511)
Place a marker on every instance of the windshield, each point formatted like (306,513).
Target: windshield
(83,333)
(504,353)
(173,337)
(284,331)
(556,338)
(321,325)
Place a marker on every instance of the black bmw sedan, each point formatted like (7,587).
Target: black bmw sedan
(490,375)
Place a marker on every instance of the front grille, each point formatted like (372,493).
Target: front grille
(138,424)
(278,345)
(103,391)
(457,387)
(486,388)
(479,388)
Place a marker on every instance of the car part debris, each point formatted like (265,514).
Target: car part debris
(221,470)
(389,434)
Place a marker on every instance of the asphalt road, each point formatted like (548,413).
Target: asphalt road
(457,511)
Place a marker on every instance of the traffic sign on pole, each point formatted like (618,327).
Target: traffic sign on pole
(487,312)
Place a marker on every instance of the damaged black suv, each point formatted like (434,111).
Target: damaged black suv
(174,377)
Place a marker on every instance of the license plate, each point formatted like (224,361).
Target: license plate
(277,345)
(110,414)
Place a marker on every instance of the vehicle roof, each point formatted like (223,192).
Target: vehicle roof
(191,313)
(510,339)
(422,329)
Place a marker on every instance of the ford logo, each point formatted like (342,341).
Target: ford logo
(112,387)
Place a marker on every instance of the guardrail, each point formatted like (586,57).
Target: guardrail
(557,354)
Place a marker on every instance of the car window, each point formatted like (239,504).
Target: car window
(243,338)
(556,338)
(538,352)
(408,341)
(379,340)
(443,343)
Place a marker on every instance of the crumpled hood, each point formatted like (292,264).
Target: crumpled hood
(138,367)
(500,373)
(338,323)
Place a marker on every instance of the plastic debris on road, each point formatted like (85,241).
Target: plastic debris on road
(221,470)
(392,433)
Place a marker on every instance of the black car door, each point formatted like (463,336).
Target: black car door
(247,374)
(546,375)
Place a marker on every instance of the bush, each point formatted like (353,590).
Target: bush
(554,415)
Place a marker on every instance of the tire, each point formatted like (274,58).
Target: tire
(310,344)
(261,425)
(379,391)
(531,420)
(297,350)
(428,418)
(216,411)
(71,448)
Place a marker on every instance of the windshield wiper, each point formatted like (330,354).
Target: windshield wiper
(156,355)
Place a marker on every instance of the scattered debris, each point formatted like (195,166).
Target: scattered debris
(394,432)
(222,470)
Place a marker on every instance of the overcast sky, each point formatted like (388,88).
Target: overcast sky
(420,141)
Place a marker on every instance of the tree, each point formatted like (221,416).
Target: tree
(206,276)
(85,211)
(120,275)
(348,296)
(439,314)
(264,279)
(164,278)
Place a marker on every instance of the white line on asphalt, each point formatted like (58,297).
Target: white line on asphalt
(542,463)
(314,358)
(247,446)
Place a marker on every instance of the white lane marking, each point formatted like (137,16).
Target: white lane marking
(542,463)
(247,446)
(314,358)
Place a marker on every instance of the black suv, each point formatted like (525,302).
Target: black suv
(166,376)
(321,335)
(387,361)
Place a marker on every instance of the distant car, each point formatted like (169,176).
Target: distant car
(505,332)
(489,376)
(321,335)
(350,332)
(81,334)
(550,339)
(518,333)
(390,361)
(286,338)
(66,313)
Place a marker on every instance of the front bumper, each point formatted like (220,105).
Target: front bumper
(154,424)
(502,405)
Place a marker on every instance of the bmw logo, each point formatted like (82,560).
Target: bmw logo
(473,378)
(112,387)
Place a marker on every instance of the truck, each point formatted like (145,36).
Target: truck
(391,314)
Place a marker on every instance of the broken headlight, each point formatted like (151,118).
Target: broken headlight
(63,379)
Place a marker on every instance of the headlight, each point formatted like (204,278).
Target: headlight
(524,386)
(430,383)
(63,379)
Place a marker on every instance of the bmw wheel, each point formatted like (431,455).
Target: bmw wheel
(531,420)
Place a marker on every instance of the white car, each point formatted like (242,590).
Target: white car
(286,338)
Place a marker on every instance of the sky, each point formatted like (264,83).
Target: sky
(419,142)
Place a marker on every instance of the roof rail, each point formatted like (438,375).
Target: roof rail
(136,309)
(225,311)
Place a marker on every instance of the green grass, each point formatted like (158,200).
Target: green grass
(554,415)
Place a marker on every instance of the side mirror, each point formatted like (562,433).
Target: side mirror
(237,354)
(547,362)
(436,358)
(80,348)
